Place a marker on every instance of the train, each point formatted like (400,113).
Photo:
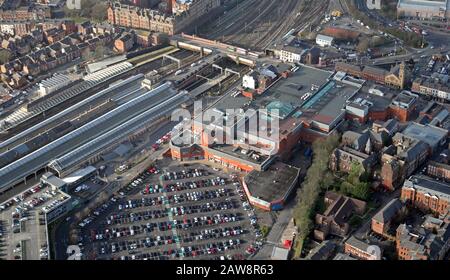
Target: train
(243,51)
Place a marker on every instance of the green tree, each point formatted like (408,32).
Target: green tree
(316,179)
(353,185)
(363,45)
(99,52)
(5,56)
(90,9)
(98,11)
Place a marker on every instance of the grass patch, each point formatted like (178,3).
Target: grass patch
(265,229)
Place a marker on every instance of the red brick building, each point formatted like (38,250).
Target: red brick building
(401,159)
(422,243)
(335,218)
(394,78)
(426,194)
(403,106)
(381,222)
(361,250)
(124,43)
(439,170)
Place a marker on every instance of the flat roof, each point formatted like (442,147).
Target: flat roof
(53,181)
(273,183)
(80,173)
(279,253)
(288,91)
(331,101)
(378,103)
(236,152)
(324,37)
(307,93)
(429,134)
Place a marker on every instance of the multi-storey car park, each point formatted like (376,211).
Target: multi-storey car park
(34,162)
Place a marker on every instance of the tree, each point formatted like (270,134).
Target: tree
(363,45)
(315,179)
(99,52)
(91,9)
(353,185)
(5,56)
(98,11)
(361,190)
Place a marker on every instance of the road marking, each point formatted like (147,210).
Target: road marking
(170,215)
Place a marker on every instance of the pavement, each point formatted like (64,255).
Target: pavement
(274,237)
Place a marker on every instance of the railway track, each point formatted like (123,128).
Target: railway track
(279,19)
(296,16)
(313,15)
(284,27)
(342,4)
(229,23)
(258,24)
(256,20)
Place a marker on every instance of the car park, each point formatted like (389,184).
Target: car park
(193,207)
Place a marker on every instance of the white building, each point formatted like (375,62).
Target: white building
(291,54)
(7,28)
(324,41)
(374,4)
(250,81)
(53,84)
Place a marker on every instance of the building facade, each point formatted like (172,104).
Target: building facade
(439,170)
(401,159)
(381,222)
(160,21)
(427,194)
(431,88)
(423,9)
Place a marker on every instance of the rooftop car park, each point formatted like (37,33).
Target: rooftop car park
(177,212)
(24,222)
